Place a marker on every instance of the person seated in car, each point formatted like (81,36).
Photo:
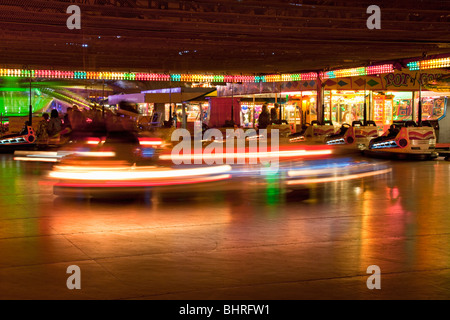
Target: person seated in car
(392,131)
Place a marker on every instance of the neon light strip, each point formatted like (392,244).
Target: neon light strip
(362,71)
(414,66)
(134,76)
(429,64)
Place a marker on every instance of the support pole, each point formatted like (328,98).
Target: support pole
(419,122)
(232,104)
(183,112)
(103,100)
(365,105)
(331,106)
(30,115)
(254,112)
(320,106)
(281,105)
(170,102)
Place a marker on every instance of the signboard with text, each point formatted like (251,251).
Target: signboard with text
(404,80)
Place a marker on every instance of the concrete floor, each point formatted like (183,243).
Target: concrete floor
(251,244)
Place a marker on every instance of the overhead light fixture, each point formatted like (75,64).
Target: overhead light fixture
(429,64)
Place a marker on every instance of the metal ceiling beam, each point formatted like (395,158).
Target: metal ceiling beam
(225,35)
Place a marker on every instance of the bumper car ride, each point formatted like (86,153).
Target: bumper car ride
(408,142)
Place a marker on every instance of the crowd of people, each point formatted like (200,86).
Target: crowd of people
(267,118)
(79,123)
(76,124)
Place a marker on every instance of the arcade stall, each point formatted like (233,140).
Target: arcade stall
(343,106)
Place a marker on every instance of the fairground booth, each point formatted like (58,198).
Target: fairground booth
(384,93)
(169,104)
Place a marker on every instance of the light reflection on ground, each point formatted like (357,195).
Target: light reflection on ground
(254,240)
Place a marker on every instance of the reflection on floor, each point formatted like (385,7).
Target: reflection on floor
(264,241)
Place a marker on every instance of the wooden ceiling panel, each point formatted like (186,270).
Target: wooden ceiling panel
(224,36)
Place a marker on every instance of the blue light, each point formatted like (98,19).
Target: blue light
(336,141)
(148,152)
(385,144)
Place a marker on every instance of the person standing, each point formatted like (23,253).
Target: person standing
(42,131)
(264,117)
(274,113)
(174,119)
(54,127)
(66,129)
(78,123)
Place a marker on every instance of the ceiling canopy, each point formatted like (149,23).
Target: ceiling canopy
(222,36)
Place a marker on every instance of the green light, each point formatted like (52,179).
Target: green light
(414,66)
(16,101)
(361,71)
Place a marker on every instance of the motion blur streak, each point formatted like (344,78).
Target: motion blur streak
(45,156)
(132,173)
(142,141)
(251,155)
(334,169)
(127,184)
(38,156)
(96,154)
(37,159)
(92,142)
(339,178)
(36,153)
(150,142)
